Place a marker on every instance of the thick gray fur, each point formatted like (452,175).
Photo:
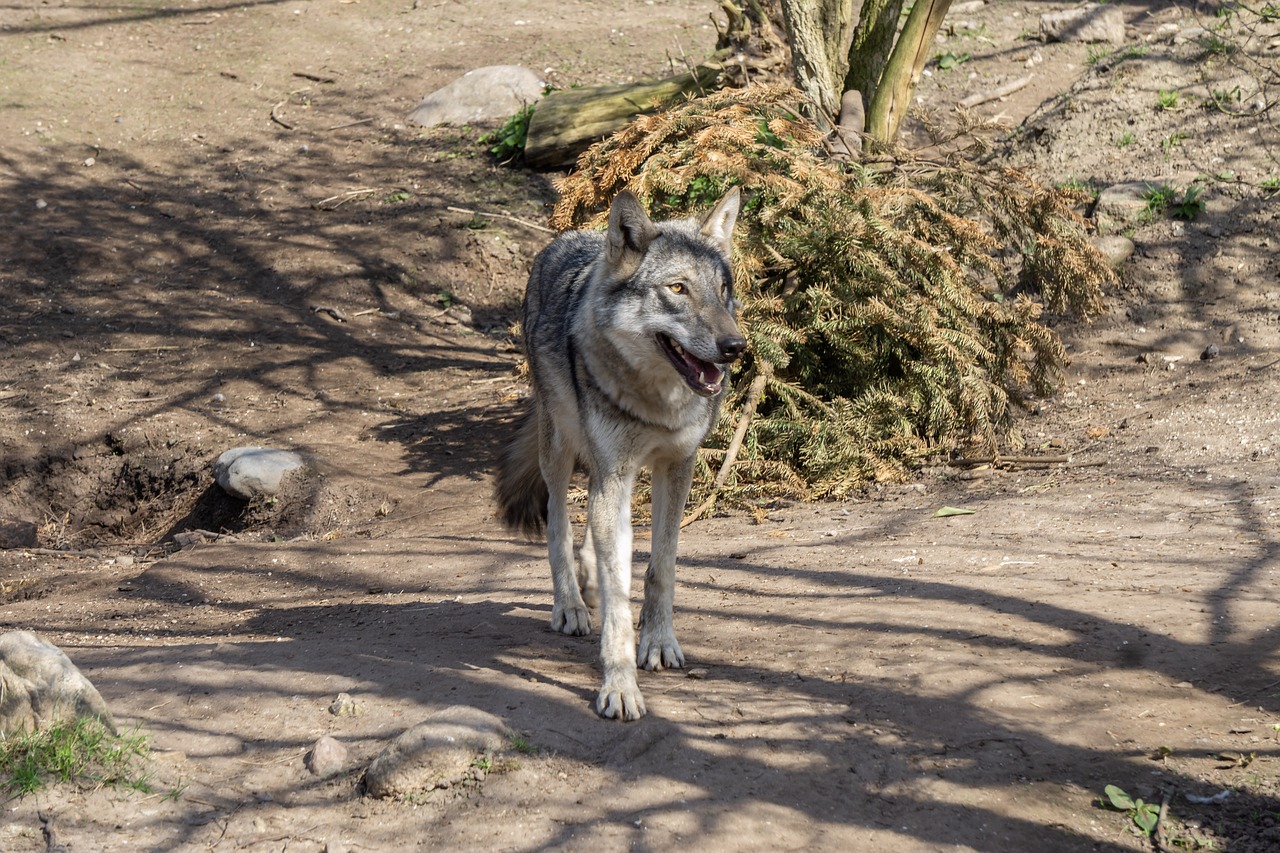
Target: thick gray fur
(628,333)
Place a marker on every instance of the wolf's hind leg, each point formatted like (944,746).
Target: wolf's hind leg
(569,614)
(658,646)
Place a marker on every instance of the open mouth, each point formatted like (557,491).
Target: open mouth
(703,377)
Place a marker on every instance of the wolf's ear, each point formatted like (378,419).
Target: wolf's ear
(630,232)
(718,224)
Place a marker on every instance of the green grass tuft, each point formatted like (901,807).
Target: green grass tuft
(83,751)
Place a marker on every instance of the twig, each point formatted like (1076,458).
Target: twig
(277,118)
(335,313)
(535,226)
(343,198)
(349,124)
(1158,835)
(54,552)
(754,395)
(140,349)
(992,94)
(1242,696)
(1264,366)
(315,78)
(1009,460)
(1014,461)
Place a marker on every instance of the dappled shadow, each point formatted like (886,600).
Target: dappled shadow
(224,300)
(867,707)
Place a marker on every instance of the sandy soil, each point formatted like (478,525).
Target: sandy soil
(862,676)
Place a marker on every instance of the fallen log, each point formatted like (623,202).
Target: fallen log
(566,122)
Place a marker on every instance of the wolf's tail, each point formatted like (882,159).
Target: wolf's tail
(518,486)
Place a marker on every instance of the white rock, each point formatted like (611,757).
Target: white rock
(1089,23)
(489,94)
(437,752)
(253,472)
(39,686)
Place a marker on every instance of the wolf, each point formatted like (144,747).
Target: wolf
(629,335)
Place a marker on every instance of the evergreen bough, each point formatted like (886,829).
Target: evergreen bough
(893,308)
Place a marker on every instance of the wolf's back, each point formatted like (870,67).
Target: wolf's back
(558,273)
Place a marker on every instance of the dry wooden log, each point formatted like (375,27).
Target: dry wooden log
(566,122)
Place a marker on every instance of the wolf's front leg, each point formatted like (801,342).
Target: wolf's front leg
(609,516)
(569,614)
(588,576)
(658,646)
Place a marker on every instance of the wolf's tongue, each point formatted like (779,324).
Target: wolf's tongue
(701,369)
(703,376)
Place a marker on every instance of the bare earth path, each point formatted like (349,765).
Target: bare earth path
(863,676)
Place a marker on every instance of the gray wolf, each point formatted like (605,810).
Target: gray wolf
(629,334)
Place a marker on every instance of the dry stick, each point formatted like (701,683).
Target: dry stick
(1010,460)
(277,118)
(1158,835)
(349,124)
(1263,367)
(140,349)
(343,198)
(505,216)
(992,94)
(315,78)
(754,395)
(54,552)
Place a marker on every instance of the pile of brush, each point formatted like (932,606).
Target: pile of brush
(895,308)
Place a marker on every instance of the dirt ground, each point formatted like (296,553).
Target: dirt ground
(217,230)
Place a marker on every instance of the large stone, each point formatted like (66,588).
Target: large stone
(40,686)
(436,753)
(1116,248)
(1089,23)
(1121,206)
(254,472)
(482,95)
(327,757)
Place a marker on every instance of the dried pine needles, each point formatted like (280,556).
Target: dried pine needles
(893,309)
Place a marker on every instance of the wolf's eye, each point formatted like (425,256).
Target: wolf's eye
(676,287)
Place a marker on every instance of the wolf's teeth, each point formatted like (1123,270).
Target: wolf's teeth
(679,349)
(702,377)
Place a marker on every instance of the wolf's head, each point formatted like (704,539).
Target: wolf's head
(670,285)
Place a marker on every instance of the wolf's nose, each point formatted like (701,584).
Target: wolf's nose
(731,348)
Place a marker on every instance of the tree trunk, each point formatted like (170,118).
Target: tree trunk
(819,34)
(871,45)
(892,96)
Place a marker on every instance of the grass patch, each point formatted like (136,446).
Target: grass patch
(84,752)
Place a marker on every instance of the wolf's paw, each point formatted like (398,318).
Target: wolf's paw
(571,620)
(620,699)
(659,651)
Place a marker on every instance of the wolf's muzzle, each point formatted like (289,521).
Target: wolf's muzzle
(731,348)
